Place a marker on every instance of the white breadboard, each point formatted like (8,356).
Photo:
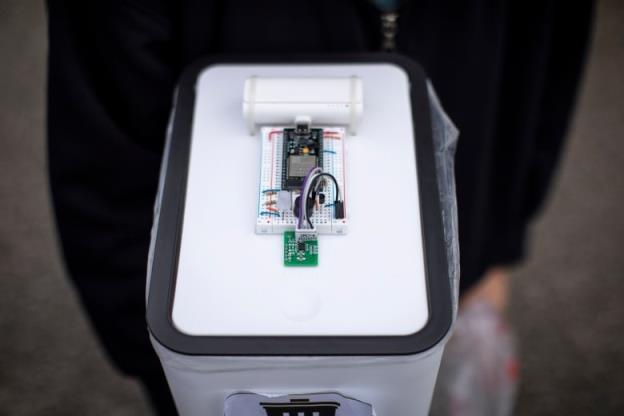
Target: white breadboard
(272,221)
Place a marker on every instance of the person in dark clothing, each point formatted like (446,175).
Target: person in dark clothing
(505,71)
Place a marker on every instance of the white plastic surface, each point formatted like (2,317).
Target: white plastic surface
(325,100)
(231,281)
(271,219)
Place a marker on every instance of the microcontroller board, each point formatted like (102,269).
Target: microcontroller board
(302,151)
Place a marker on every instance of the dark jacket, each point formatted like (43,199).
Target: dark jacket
(505,71)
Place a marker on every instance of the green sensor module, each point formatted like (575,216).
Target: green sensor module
(301,249)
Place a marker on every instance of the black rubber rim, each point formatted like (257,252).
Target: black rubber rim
(167,240)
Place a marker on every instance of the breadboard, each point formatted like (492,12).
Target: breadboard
(272,221)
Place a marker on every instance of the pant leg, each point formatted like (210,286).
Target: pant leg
(110,82)
(157,390)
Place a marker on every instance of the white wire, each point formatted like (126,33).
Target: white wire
(304,196)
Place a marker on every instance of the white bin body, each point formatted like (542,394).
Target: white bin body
(213,281)
(392,385)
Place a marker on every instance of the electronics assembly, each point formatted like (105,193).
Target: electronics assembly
(302,190)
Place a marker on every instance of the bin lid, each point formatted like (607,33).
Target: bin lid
(215,287)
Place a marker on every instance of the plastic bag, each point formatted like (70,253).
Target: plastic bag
(445,136)
(479,371)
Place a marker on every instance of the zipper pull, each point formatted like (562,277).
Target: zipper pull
(389,29)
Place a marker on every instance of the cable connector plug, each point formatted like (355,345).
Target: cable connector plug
(339,212)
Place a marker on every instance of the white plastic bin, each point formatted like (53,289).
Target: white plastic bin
(227,317)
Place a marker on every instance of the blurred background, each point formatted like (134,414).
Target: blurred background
(568,298)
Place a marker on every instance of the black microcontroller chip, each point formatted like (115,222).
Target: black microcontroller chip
(300,165)
(302,151)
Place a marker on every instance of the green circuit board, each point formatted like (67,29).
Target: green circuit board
(300,250)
